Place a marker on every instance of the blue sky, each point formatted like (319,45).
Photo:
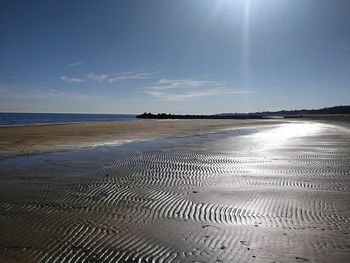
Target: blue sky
(181,56)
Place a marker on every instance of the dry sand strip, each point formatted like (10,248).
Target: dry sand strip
(277,195)
(17,140)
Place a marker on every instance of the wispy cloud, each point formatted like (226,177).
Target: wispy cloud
(96,77)
(164,84)
(167,96)
(181,89)
(132,75)
(72,79)
(77,63)
(44,92)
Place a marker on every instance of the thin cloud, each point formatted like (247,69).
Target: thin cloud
(97,77)
(182,89)
(94,77)
(77,63)
(72,79)
(167,96)
(43,92)
(164,84)
(131,76)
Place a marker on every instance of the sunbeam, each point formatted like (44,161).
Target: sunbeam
(245,44)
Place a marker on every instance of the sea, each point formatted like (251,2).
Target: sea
(19,119)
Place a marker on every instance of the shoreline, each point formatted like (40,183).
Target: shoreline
(30,139)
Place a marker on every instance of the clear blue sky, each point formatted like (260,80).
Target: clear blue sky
(181,56)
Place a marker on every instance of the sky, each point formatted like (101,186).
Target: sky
(181,56)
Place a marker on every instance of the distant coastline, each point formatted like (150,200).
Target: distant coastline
(336,110)
(188,116)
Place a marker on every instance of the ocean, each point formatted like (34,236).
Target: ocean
(7,119)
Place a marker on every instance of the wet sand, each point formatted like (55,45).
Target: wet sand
(17,140)
(275,193)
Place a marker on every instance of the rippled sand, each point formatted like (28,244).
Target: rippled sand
(15,140)
(277,194)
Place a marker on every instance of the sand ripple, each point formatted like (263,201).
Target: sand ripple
(234,199)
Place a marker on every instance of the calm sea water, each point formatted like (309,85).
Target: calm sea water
(52,118)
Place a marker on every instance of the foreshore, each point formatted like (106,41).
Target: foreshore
(18,140)
(281,190)
(28,139)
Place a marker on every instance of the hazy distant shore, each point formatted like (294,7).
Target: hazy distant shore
(15,140)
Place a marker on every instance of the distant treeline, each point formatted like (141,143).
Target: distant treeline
(330,110)
(256,115)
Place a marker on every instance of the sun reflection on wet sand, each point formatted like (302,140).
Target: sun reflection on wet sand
(283,133)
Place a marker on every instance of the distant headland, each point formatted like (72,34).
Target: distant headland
(336,110)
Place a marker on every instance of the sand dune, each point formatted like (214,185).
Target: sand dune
(271,194)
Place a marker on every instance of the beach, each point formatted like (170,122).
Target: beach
(176,191)
(27,139)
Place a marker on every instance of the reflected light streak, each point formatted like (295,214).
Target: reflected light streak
(282,134)
(245,45)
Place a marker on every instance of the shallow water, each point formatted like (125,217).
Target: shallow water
(262,195)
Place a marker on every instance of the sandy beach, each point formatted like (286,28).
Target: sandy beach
(270,191)
(29,139)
